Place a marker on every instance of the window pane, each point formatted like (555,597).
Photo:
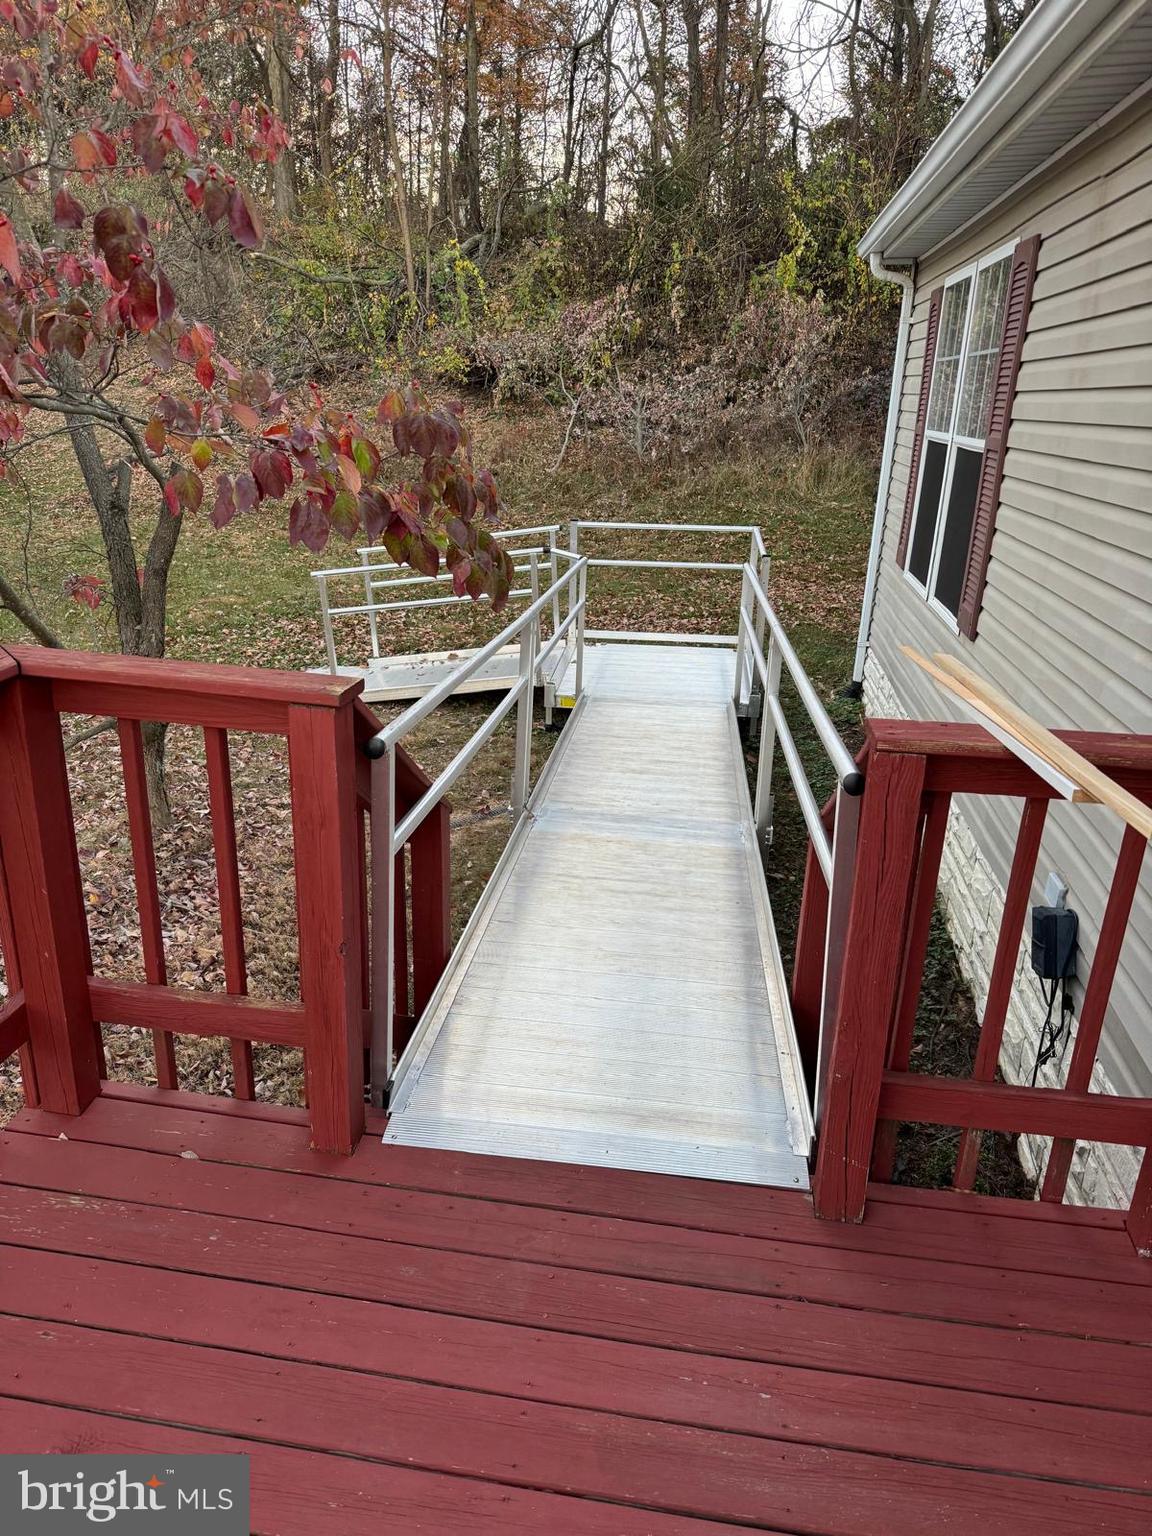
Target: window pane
(924,535)
(958,528)
(949,343)
(983,349)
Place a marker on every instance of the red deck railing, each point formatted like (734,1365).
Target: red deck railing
(56,1005)
(914,770)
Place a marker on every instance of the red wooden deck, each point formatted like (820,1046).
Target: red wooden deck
(428,1342)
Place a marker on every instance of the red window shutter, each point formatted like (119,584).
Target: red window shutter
(1019,301)
(934,304)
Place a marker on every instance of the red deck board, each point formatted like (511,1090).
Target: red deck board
(860,1413)
(672,1468)
(302,1493)
(609,1306)
(895,1227)
(832,1275)
(445,1344)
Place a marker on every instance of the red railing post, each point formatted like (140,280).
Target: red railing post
(47,906)
(431,904)
(322,767)
(886,855)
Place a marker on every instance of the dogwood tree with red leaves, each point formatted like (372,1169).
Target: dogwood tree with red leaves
(88,116)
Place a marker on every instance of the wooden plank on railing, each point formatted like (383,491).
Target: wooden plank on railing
(223,815)
(47,909)
(912,970)
(322,767)
(968,759)
(147,892)
(1016,903)
(1092,782)
(1096,994)
(886,854)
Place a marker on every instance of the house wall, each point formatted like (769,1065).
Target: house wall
(1066,626)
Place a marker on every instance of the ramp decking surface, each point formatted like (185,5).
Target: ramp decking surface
(621,1002)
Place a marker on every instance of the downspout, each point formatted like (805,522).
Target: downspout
(907,281)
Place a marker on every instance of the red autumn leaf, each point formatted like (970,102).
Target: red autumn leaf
(244,221)
(167,299)
(9,252)
(216,200)
(143,300)
(390,408)
(225,508)
(66,211)
(179,131)
(245,415)
(205,373)
(130,81)
(85,589)
(349,473)
(88,56)
(246,492)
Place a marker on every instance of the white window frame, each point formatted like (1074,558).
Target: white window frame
(949,439)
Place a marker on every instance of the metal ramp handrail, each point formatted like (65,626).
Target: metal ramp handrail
(371,566)
(388,836)
(835,855)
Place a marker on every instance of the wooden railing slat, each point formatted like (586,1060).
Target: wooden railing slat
(1096,994)
(147,891)
(222,810)
(1016,900)
(431,905)
(912,971)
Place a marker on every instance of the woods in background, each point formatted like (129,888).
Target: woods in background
(532,195)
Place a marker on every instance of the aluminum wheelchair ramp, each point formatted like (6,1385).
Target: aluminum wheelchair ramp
(619,999)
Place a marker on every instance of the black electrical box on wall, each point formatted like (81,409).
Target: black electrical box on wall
(1054,931)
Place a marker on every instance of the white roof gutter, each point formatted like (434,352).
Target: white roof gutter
(1059,35)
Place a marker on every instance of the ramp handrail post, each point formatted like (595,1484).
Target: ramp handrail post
(554,576)
(582,601)
(370,602)
(383,877)
(326,620)
(741,639)
(522,768)
(762,809)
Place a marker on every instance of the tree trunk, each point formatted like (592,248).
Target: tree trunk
(469,160)
(327,113)
(139,593)
(399,181)
(280,88)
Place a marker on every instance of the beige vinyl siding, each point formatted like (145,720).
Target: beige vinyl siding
(1066,626)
